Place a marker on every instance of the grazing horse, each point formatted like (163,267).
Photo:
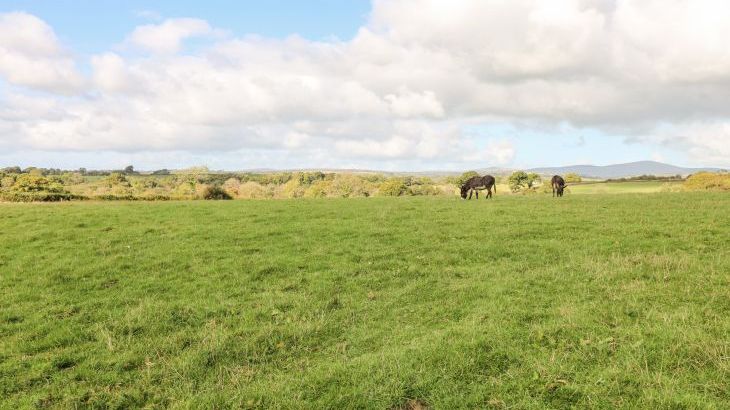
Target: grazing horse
(476,184)
(558,184)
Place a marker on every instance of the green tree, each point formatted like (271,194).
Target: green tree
(13,170)
(518,181)
(461,180)
(523,181)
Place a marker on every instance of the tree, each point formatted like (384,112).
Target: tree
(461,180)
(129,170)
(518,180)
(13,170)
(532,178)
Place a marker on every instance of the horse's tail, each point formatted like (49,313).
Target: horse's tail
(495,187)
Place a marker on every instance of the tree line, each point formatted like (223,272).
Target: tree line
(51,184)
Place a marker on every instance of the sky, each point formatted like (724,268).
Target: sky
(392,85)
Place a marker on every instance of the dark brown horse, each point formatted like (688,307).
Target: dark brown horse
(558,184)
(476,184)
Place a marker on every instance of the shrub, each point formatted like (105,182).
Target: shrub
(7,181)
(149,183)
(348,186)
(318,189)
(215,192)
(252,190)
(708,181)
(232,186)
(114,197)
(117,179)
(38,196)
(572,177)
(308,178)
(35,183)
(421,186)
(392,187)
(155,194)
(292,189)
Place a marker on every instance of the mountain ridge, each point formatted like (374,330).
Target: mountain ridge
(628,169)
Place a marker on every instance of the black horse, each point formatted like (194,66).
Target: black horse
(476,184)
(558,184)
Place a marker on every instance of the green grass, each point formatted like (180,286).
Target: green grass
(597,301)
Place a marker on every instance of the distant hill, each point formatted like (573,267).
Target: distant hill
(629,169)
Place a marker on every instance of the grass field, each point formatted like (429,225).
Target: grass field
(597,301)
(630,187)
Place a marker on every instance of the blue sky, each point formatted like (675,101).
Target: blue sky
(480,91)
(92,26)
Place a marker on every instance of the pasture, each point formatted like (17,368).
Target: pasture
(597,301)
(629,187)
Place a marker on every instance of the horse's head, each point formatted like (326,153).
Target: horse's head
(464,191)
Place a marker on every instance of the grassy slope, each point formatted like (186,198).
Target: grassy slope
(526,302)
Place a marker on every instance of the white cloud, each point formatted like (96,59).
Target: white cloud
(112,74)
(30,55)
(167,37)
(706,142)
(402,89)
(409,104)
(496,152)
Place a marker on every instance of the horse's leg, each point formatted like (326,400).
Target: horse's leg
(489,193)
(477,194)
(471,191)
